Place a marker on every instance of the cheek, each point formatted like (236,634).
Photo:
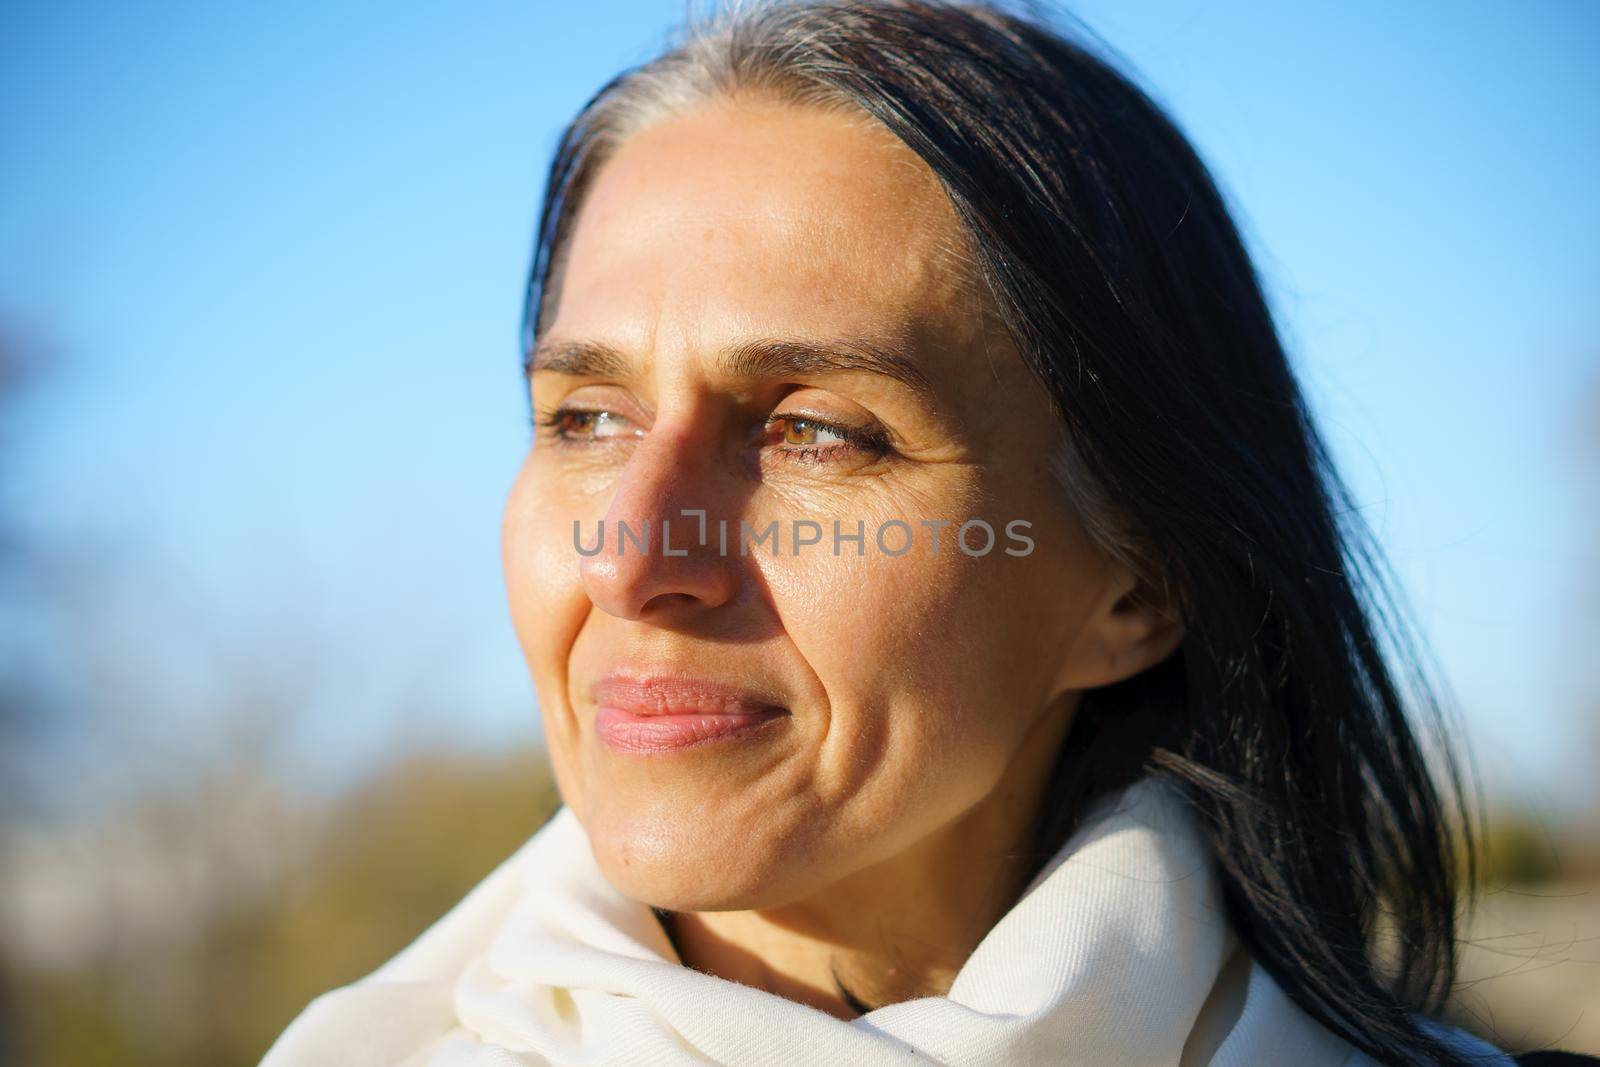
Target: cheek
(935,667)
(928,692)
(543,585)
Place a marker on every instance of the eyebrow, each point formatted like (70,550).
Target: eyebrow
(764,357)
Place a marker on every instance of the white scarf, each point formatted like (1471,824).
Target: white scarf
(1117,953)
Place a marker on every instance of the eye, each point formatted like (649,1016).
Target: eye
(811,432)
(578,425)
(811,440)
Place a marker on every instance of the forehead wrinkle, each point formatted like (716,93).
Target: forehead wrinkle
(760,358)
(905,196)
(892,260)
(778,358)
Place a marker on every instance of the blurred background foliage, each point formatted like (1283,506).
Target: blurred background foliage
(275,904)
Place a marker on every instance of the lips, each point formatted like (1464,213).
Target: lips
(654,714)
(660,695)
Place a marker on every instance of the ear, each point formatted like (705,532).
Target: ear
(1129,628)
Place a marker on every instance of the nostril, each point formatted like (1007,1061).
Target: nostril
(667,602)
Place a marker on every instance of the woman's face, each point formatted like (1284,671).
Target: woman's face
(767,316)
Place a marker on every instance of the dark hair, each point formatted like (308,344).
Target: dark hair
(1189,450)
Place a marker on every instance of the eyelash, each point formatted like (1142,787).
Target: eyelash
(873,442)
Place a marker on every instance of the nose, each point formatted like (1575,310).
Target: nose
(660,552)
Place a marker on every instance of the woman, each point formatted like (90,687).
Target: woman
(952,640)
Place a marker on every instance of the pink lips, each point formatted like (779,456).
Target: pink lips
(658,714)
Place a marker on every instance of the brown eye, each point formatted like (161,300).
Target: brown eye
(574,424)
(809,440)
(810,432)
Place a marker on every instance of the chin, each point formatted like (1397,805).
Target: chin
(667,871)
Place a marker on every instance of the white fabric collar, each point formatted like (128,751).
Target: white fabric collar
(1117,953)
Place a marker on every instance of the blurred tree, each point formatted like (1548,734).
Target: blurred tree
(242,959)
(20,363)
(172,891)
(1518,849)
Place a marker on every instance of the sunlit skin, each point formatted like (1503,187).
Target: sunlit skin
(869,833)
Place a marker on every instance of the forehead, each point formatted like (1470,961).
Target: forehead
(745,217)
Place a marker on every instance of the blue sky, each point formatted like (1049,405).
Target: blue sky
(275,254)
